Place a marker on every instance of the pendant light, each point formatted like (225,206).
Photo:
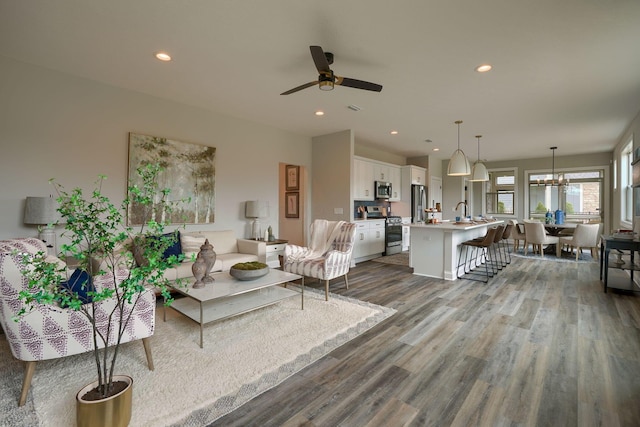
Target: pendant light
(459,164)
(479,172)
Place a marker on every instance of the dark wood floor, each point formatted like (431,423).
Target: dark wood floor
(539,345)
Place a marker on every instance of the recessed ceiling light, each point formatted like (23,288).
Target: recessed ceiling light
(353,107)
(319,113)
(483,68)
(163,56)
(394,132)
(436,149)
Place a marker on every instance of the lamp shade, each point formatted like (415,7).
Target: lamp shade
(479,172)
(459,164)
(41,211)
(256,209)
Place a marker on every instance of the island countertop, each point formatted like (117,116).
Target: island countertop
(434,248)
(457,225)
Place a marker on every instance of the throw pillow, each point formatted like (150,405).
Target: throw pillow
(175,248)
(80,283)
(191,245)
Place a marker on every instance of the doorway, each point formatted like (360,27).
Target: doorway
(292,206)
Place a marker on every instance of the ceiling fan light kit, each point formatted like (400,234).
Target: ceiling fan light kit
(479,172)
(327,79)
(459,164)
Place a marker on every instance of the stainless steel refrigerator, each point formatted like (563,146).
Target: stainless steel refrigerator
(418,202)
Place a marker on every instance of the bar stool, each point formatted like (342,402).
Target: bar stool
(506,235)
(495,255)
(474,245)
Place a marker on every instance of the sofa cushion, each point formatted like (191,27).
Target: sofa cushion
(176,247)
(224,242)
(191,244)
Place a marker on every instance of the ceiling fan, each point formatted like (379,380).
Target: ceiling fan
(326,79)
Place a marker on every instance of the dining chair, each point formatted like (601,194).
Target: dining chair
(517,235)
(536,235)
(584,236)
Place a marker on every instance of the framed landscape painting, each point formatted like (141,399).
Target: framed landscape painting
(188,172)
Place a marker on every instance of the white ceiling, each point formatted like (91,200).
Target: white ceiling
(566,73)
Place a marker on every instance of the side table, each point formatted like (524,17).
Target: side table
(607,243)
(275,250)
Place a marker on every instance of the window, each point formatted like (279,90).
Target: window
(500,193)
(579,194)
(626,183)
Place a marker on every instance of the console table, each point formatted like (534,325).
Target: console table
(607,243)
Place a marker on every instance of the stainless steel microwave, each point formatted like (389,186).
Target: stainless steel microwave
(383,190)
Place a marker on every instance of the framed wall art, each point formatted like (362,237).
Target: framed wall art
(293,178)
(188,172)
(292,200)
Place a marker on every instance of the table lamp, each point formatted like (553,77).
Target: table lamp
(43,211)
(256,209)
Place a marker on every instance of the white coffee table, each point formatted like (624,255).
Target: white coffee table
(227,297)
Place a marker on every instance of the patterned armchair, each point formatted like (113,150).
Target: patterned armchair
(49,331)
(332,263)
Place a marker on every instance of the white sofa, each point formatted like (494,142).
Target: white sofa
(228,248)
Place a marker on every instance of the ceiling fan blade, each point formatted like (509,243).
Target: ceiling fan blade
(319,59)
(295,89)
(358,84)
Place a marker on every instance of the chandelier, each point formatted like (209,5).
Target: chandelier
(555,181)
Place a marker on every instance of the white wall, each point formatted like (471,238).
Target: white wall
(55,125)
(331,180)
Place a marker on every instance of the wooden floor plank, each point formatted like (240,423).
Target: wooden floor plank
(540,344)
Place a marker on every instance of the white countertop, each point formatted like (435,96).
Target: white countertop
(457,226)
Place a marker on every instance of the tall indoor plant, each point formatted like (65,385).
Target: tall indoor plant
(101,242)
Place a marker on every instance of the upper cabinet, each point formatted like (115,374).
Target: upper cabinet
(366,172)
(395,177)
(363,180)
(415,174)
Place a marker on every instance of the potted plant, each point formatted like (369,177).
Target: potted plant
(104,245)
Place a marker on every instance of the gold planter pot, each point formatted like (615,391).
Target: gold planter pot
(114,411)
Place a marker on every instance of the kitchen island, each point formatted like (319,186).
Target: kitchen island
(434,248)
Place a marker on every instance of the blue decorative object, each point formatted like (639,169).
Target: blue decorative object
(548,217)
(559,217)
(80,283)
(175,248)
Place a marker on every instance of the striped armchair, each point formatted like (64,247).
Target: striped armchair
(49,331)
(333,263)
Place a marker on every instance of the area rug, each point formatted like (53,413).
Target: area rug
(398,259)
(242,357)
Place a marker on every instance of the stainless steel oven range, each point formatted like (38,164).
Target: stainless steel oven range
(393,235)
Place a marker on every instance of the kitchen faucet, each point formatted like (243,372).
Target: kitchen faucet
(464,202)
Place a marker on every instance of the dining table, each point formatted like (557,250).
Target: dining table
(555,229)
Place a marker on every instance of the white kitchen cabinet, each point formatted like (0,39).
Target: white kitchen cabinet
(363,180)
(415,174)
(411,174)
(395,177)
(381,172)
(406,233)
(369,240)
